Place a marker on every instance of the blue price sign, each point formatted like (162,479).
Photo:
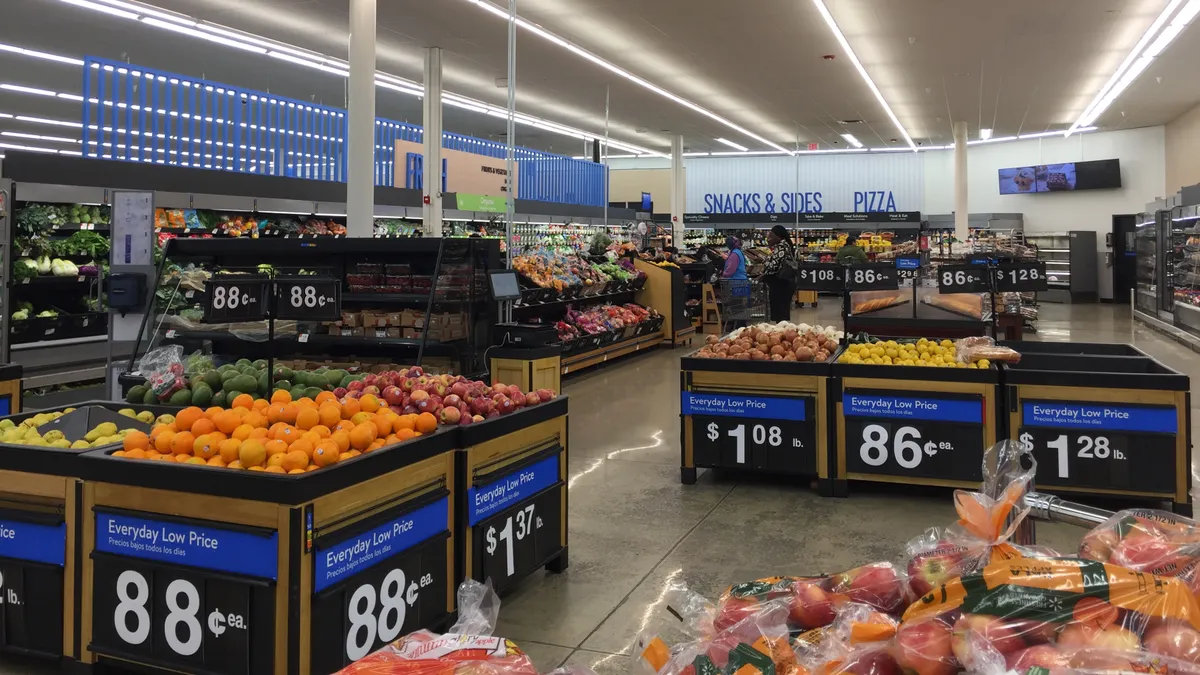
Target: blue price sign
(363,551)
(33,541)
(752,432)
(192,544)
(729,405)
(485,500)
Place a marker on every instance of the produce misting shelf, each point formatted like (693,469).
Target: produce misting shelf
(577,362)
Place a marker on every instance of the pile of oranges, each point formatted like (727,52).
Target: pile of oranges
(277,436)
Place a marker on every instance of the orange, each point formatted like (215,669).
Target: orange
(228,449)
(158,429)
(275,447)
(226,421)
(136,439)
(303,446)
(216,461)
(217,436)
(321,430)
(242,432)
(276,459)
(311,467)
(296,459)
(311,438)
(261,404)
(275,412)
(197,460)
(209,412)
(203,426)
(153,454)
(404,422)
(354,453)
(260,432)
(243,401)
(342,438)
(255,468)
(307,418)
(327,446)
(305,402)
(290,410)
(344,425)
(188,416)
(255,419)
(274,469)
(182,443)
(369,403)
(426,423)
(252,453)
(182,458)
(325,396)
(375,445)
(391,439)
(236,465)
(363,436)
(205,447)
(383,423)
(361,418)
(166,458)
(350,408)
(344,456)
(331,414)
(324,455)
(135,454)
(405,435)
(287,433)
(240,412)
(295,471)
(281,396)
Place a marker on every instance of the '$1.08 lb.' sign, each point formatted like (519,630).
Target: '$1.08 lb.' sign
(752,432)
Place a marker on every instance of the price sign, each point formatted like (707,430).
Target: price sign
(898,434)
(308,299)
(827,277)
(1108,447)
(908,268)
(751,432)
(962,279)
(516,522)
(232,299)
(210,607)
(379,583)
(32,555)
(872,277)
(1019,277)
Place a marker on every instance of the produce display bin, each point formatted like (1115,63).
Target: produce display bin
(912,424)
(209,570)
(1102,419)
(529,369)
(512,474)
(763,416)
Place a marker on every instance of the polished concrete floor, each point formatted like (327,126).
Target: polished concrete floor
(634,528)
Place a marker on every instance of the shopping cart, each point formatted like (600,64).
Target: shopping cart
(742,302)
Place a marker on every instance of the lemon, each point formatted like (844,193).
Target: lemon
(892,353)
(984,363)
(947,343)
(972,365)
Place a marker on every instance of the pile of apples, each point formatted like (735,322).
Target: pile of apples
(783,341)
(452,399)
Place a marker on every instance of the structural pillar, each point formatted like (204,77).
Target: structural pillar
(360,164)
(961,208)
(431,178)
(678,190)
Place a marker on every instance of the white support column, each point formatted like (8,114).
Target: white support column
(431,209)
(961,207)
(678,190)
(360,164)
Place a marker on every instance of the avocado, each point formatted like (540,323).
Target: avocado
(218,399)
(283,384)
(334,377)
(312,392)
(202,395)
(149,398)
(182,397)
(282,373)
(213,379)
(244,383)
(231,394)
(137,393)
(242,362)
(229,375)
(297,392)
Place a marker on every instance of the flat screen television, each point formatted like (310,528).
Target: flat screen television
(1101,174)
(1017,180)
(647,203)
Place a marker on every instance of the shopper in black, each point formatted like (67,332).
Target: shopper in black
(779,274)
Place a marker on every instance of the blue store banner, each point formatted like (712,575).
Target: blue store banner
(1067,415)
(912,408)
(33,541)
(363,551)
(196,545)
(499,495)
(728,405)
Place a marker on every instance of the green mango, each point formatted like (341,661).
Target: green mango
(297,392)
(312,392)
(242,362)
(260,364)
(283,384)
(218,399)
(137,393)
(229,375)
(182,397)
(334,377)
(149,398)
(262,384)
(202,395)
(213,379)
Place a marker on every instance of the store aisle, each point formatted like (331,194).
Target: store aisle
(635,528)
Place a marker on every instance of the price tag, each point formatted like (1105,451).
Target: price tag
(872,277)
(826,277)
(1020,277)
(962,279)
(188,594)
(898,434)
(1095,445)
(752,432)
(378,584)
(233,299)
(908,268)
(516,522)
(308,299)
(31,584)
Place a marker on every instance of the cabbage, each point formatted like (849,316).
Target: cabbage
(44,264)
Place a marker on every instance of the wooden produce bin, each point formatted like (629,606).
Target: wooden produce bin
(916,425)
(210,570)
(512,474)
(529,369)
(763,416)
(665,291)
(1103,419)
(40,508)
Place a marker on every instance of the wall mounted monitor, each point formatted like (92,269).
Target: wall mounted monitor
(1104,174)
(1017,180)
(647,202)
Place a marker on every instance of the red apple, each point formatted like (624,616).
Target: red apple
(532,399)
(503,403)
(451,400)
(393,395)
(465,420)
(418,396)
(1033,632)
(545,394)
(499,388)
(370,379)
(399,410)
(477,418)
(355,385)
(482,406)
(440,388)
(1177,640)
(971,631)
(354,394)
(340,392)
(733,611)
(929,569)
(409,410)
(371,389)
(415,371)
(450,415)
(460,389)
(925,648)
(513,391)
(869,662)
(384,382)
(1079,635)
(877,585)
(811,606)
(1146,552)
(1040,656)
(408,384)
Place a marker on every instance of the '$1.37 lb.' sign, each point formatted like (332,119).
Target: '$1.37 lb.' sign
(516,520)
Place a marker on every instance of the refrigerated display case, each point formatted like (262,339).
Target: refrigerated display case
(1146,247)
(1184,256)
(1160,240)
(1070,259)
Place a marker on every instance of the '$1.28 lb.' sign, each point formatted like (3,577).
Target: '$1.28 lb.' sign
(752,432)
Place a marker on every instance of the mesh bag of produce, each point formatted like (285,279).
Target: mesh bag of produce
(468,649)
(1158,542)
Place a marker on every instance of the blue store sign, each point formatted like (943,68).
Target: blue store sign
(1066,415)
(729,405)
(193,544)
(912,408)
(496,496)
(33,541)
(363,551)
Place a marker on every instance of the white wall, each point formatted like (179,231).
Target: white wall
(1183,150)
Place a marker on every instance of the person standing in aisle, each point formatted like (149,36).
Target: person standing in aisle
(735,264)
(779,274)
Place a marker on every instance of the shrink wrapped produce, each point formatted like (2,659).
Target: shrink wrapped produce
(1158,542)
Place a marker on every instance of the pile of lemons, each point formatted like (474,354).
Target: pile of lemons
(923,352)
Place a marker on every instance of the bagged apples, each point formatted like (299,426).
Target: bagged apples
(468,648)
(858,641)
(1158,542)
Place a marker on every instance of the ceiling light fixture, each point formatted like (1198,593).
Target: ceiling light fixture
(985,134)
(613,68)
(837,33)
(262,45)
(852,140)
(733,145)
(1139,59)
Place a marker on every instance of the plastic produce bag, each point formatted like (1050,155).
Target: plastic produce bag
(164,371)
(1158,542)
(858,641)
(468,648)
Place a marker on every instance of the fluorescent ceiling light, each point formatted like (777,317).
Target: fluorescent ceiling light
(102,8)
(613,68)
(985,134)
(852,140)
(733,145)
(202,35)
(1140,58)
(40,55)
(55,139)
(837,32)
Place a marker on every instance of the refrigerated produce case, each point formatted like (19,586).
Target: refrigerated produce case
(1184,259)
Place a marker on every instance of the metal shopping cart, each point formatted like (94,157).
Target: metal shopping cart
(742,302)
